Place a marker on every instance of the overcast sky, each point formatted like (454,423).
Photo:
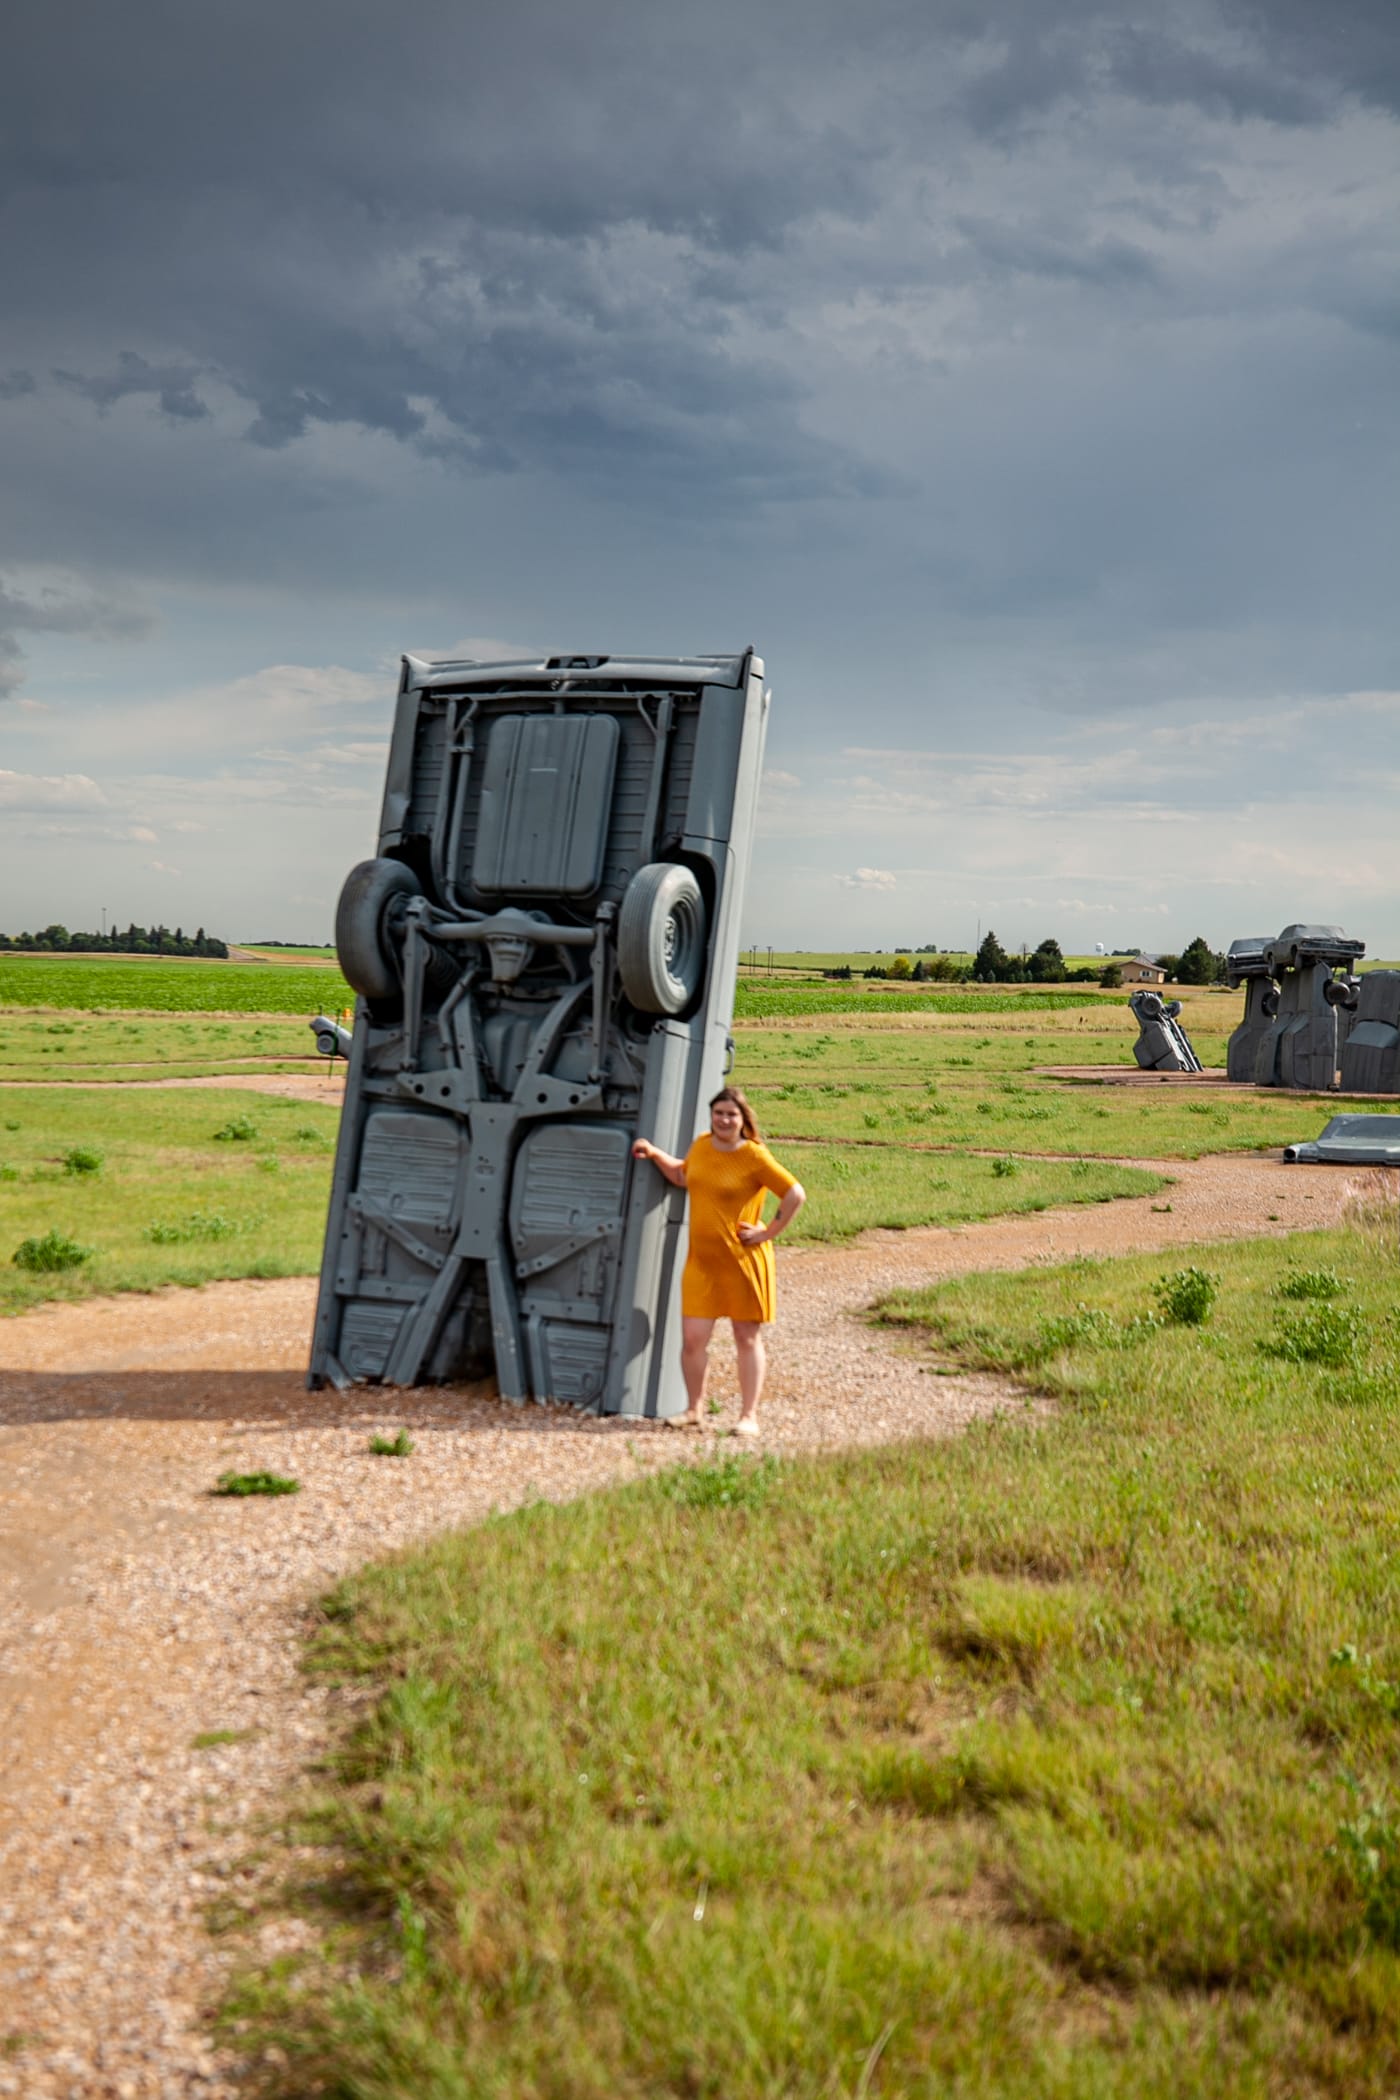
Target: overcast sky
(1023,382)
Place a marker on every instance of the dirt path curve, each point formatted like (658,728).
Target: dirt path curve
(150,1707)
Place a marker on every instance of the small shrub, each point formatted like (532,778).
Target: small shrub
(307,1134)
(1004,1168)
(726,1483)
(82,1159)
(1326,1334)
(239,1130)
(1311,1283)
(1369,1847)
(399,1446)
(1086,1326)
(1187,1296)
(8,1173)
(255,1484)
(54,1251)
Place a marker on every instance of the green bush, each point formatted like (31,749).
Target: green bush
(1003,1168)
(1311,1283)
(1187,1296)
(239,1130)
(55,1250)
(1326,1334)
(82,1159)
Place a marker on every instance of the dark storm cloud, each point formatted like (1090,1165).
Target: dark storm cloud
(499,237)
(172,386)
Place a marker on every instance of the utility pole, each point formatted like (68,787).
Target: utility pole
(104,922)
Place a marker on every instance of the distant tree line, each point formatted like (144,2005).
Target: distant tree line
(136,940)
(1198,963)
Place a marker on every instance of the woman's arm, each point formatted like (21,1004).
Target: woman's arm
(673,1169)
(755,1235)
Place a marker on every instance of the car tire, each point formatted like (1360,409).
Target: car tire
(661,938)
(362,936)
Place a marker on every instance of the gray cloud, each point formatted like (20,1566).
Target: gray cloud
(171,385)
(62,608)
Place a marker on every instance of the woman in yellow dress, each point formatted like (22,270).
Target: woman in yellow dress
(729,1273)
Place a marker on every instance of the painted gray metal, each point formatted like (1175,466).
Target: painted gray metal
(1298,1013)
(1370,1059)
(1353,1141)
(1163,1044)
(1248,964)
(485,1209)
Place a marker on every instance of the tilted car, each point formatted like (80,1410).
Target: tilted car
(544,949)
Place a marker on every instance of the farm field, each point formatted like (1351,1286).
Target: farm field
(135,984)
(1055,1758)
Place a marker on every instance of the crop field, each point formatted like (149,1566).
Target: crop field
(102,984)
(1055,1758)
(767,998)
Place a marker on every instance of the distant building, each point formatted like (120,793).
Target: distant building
(1142,970)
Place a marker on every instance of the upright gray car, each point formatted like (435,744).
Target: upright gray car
(544,950)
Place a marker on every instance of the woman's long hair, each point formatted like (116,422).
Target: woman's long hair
(747,1117)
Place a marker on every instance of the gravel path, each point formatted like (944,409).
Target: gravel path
(138,1617)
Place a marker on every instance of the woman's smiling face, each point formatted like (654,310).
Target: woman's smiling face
(726,1124)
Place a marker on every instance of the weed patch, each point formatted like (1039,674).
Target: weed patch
(255,1484)
(1187,1297)
(51,1253)
(398,1446)
(1326,1334)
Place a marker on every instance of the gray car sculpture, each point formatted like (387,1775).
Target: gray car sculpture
(1163,1044)
(544,949)
(1298,1012)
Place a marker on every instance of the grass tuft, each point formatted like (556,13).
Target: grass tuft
(400,1446)
(255,1484)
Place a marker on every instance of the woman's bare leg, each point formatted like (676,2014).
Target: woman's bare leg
(753,1363)
(695,1364)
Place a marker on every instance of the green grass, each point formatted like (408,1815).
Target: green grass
(97,1048)
(171,1204)
(1058,1759)
(975,1083)
(108,984)
(851,1188)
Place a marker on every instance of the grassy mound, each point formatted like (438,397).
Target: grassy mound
(1057,1759)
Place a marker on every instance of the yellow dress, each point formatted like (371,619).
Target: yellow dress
(724,1279)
